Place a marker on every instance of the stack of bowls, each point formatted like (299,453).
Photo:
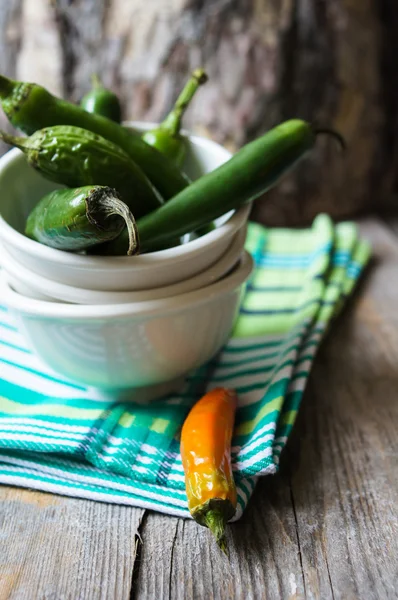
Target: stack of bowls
(122,323)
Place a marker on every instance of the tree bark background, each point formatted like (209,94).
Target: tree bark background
(329,61)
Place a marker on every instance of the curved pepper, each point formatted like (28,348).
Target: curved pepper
(166,137)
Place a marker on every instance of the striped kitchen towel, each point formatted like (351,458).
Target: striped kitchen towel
(61,437)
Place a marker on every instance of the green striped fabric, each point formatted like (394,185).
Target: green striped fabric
(58,436)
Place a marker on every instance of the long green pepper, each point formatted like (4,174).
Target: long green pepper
(30,107)
(253,170)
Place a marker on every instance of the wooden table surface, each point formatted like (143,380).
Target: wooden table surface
(324,527)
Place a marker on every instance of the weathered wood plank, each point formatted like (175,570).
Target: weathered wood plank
(40,55)
(62,548)
(328,529)
(179,559)
(10,42)
(10,39)
(391,221)
(83,43)
(345,485)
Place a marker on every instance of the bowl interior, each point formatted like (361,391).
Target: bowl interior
(22,187)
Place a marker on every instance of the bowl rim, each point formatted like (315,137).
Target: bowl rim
(159,308)
(62,292)
(176,254)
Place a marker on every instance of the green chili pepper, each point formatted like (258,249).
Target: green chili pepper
(30,107)
(253,170)
(75,157)
(205,229)
(166,137)
(101,101)
(74,219)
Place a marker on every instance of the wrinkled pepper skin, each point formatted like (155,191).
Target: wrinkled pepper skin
(76,157)
(30,107)
(206,456)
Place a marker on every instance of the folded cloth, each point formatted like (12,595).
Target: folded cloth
(60,437)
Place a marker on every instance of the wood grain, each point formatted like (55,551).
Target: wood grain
(180,560)
(344,448)
(62,548)
(10,43)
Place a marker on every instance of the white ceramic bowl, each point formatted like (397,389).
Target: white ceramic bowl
(131,345)
(25,282)
(21,187)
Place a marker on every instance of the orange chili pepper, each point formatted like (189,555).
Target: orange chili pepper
(206,456)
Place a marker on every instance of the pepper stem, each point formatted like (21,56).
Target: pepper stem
(173,120)
(109,205)
(117,207)
(96,81)
(215,521)
(7,86)
(333,133)
(13,140)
